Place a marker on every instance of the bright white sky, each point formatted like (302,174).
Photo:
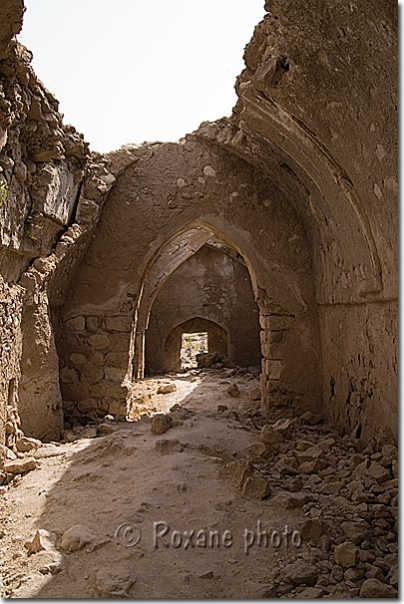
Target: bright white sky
(127,71)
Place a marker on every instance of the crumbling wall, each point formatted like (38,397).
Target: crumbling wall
(215,286)
(317,113)
(42,165)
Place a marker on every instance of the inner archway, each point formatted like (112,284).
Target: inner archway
(209,292)
(217,339)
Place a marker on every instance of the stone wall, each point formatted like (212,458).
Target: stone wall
(317,113)
(215,286)
(11,298)
(51,194)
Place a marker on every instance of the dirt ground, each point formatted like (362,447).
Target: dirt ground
(216,506)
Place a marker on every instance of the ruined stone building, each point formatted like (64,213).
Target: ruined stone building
(273,230)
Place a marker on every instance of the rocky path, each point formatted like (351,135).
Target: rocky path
(201,497)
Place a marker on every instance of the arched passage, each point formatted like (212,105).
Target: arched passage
(213,284)
(217,338)
(162,211)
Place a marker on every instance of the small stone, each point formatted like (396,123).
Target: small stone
(311,530)
(330,488)
(207,359)
(166,389)
(372,588)
(76,538)
(311,592)
(160,423)
(378,472)
(255,394)
(19,466)
(310,454)
(165,446)
(301,573)
(393,576)
(356,531)
(339,591)
(257,449)
(376,573)
(346,554)
(77,323)
(208,575)
(311,418)
(35,545)
(269,436)
(292,500)
(353,574)
(238,471)
(233,391)
(26,444)
(114,583)
(312,467)
(105,429)
(256,487)
(282,425)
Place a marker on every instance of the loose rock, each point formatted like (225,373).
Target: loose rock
(161,423)
(346,554)
(372,588)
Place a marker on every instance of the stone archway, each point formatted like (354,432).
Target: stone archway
(217,338)
(161,212)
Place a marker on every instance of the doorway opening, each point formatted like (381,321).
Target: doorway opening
(193,344)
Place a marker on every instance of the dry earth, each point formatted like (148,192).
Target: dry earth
(221,470)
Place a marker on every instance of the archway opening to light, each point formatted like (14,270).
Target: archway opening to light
(193,344)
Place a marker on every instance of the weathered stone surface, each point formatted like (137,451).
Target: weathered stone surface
(258,449)
(208,359)
(269,436)
(19,466)
(346,554)
(301,573)
(168,446)
(292,500)
(26,444)
(233,391)
(99,341)
(372,588)
(36,544)
(160,423)
(238,471)
(357,531)
(166,389)
(256,487)
(77,537)
(311,530)
(378,472)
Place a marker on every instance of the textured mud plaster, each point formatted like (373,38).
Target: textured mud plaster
(163,208)
(317,112)
(213,284)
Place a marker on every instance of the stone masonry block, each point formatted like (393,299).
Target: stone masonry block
(119,323)
(99,341)
(276,322)
(77,323)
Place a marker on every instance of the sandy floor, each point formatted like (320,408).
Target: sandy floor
(166,519)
